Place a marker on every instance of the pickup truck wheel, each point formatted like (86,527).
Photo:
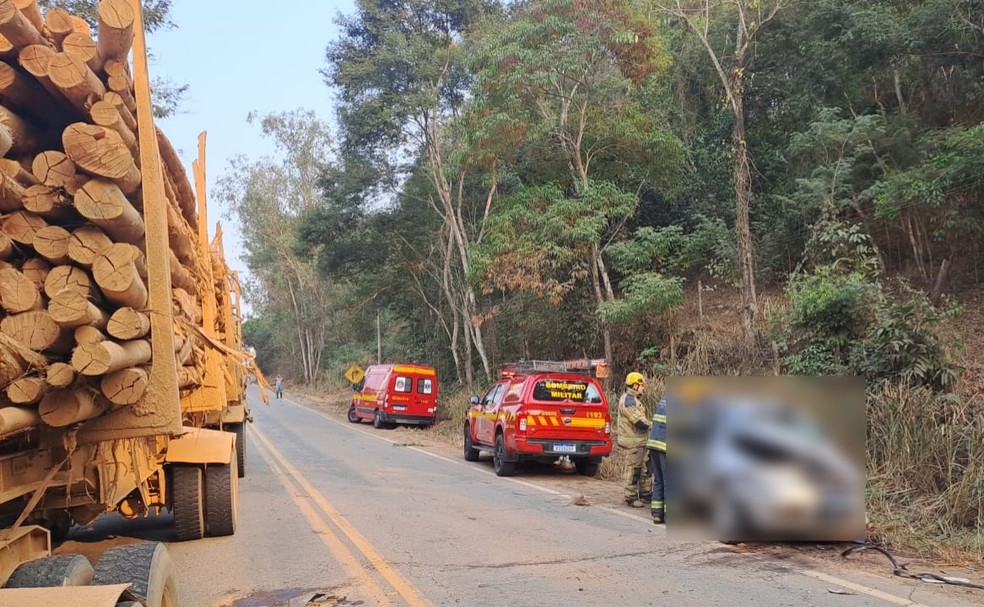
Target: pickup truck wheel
(471,453)
(188,490)
(147,566)
(221,499)
(352,417)
(377,420)
(586,467)
(499,463)
(52,571)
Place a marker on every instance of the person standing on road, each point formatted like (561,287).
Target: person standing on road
(633,432)
(278,386)
(657,461)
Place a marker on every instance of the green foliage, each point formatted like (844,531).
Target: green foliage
(843,319)
(831,306)
(901,343)
(539,239)
(846,324)
(709,246)
(396,67)
(645,296)
(953,169)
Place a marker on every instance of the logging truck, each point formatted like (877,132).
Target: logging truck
(120,348)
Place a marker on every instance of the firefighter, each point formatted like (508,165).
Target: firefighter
(633,432)
(657,461)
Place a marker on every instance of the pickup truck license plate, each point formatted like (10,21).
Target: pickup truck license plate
(564,448)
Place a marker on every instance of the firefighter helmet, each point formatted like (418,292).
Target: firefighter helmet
(634,378)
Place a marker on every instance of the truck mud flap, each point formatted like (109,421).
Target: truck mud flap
(77,596)
(201,446)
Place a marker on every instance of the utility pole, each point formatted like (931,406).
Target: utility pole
(379,341)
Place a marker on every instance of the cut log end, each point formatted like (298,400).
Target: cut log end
(125,387)
(18,293)
(67,277)
(62,408)
(116,274)
(26,390)
(101,151)
(103,203)
(72,309)
(87,244)
(60,375)
(36,330)
(104,357)
(52,244)
(127,323)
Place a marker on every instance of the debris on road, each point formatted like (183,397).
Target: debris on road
(902,570)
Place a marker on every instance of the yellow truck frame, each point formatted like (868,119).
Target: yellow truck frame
(136,459)
(221,402)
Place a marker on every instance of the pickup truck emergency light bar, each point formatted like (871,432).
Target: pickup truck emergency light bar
(583,366)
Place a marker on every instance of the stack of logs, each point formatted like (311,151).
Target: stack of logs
(74,310)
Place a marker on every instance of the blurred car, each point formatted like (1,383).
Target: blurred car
(758,471)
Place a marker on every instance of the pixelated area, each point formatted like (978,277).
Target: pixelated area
(765,459)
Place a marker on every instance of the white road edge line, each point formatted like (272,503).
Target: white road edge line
(817,575)
(874,592)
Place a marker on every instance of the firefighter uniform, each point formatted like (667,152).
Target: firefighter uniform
(656,446)
(633,431)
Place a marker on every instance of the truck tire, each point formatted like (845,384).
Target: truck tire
(499,463)
(147,566)
(52,571)
(221,499)
(188,502)
(352,417)
(471,453)
(377,420)
(586,467)
(240,431)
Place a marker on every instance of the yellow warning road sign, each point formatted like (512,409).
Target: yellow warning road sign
(354,374)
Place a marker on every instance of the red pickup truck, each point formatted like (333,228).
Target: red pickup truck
(542,411)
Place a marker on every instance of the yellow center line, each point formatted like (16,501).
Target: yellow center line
(342,554)
(403,587)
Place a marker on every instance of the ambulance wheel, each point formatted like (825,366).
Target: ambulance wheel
(499,463)
(471,453)
(52,572)
(147,566)
(377,420)
(586,467)
(188,503)
(352,417)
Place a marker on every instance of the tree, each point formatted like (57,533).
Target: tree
(749,17)
(564,72)
(401,79)
(269,196)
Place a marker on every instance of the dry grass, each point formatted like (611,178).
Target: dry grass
(925,493)
(926,473)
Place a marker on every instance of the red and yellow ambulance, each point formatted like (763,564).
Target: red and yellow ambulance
(396,394)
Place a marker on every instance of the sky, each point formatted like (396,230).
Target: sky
(238,56)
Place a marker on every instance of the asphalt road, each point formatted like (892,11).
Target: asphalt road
(350,511)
